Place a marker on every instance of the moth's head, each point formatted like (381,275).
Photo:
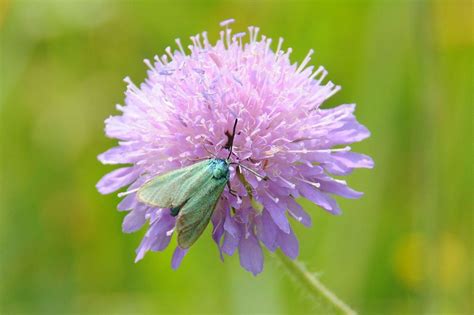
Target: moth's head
(219,168)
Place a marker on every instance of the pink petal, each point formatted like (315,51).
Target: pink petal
(117,179)
(297,212)
(178,256)
(250,253)
(277,213)
(134,220)
(230,244)
(288,244)
(267,230)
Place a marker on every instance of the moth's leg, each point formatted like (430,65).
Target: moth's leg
(232,192)
(200,159)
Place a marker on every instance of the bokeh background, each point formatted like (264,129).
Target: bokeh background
(404,248)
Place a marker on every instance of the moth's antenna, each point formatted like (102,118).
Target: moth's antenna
(204,146)
(205,149)
(232,139)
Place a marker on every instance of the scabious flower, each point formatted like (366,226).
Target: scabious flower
(185,110)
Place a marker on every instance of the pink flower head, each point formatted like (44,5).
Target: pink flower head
(185,110)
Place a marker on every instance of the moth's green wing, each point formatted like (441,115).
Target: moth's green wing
(172,189)
(196,213)
(192,192)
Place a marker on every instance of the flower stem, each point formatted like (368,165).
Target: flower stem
(325,298)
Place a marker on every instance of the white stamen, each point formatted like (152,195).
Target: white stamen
(305,61)
(193,40)
(164,59)
(340,181)
(250,28)
(317,185)
(280,42)
(323,75)
(315,73)
(178,42)
(132,87)
(274,199)
(120,195)
(257,29)
(267,47)
(287,182)
(299,219)
(127,80)
(168,51)
(226,22)
(198,41)
(227,38)
(336,89)
(158,61)
(221,37)
(305,151)
(149,65)
(239,35)
(205,39)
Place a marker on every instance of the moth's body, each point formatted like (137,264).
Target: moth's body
(219,169)
(191,193)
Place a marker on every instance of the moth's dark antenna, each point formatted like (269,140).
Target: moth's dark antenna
(231,139)
(208,152)
(212,154)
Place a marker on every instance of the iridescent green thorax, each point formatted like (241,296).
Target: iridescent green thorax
(219,168)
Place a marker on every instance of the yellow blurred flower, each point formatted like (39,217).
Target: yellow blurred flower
(408,260)
(443,262)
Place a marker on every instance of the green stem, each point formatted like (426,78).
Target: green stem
(313,286)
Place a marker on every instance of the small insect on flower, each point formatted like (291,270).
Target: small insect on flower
(177,134)
(191,193)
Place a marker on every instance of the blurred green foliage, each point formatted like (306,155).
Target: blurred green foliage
(404,248)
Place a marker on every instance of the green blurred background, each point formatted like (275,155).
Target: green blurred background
(404,248)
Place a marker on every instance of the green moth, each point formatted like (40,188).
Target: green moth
(191,193)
